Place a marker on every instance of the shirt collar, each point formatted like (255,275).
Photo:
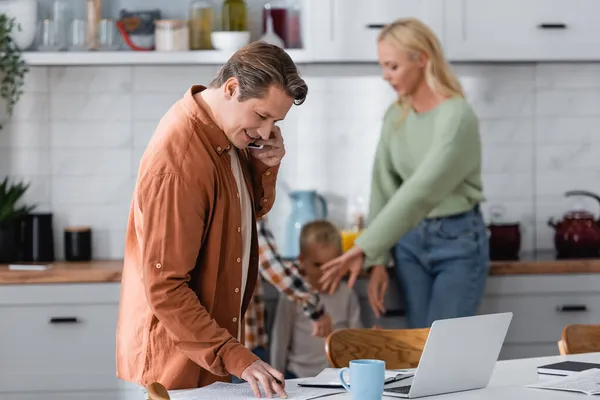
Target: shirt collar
(215,135)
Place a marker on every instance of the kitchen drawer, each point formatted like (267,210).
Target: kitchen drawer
(540,318)
(52,342)
(516,30)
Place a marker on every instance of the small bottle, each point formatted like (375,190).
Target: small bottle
(234,16)
(270,36)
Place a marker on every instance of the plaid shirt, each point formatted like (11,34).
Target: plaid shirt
(286,278)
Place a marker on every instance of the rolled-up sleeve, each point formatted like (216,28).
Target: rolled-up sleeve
(173,216)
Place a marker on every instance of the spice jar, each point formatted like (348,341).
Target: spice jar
(201,25)
(172,35)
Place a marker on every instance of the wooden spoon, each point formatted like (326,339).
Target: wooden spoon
(156,391)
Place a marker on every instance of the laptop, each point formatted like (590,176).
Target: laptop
(460,354)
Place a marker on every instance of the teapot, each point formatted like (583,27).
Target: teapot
(577,235)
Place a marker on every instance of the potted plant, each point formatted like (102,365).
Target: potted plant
(12,65)
(10,215)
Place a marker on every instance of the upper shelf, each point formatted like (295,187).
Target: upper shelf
(36,58)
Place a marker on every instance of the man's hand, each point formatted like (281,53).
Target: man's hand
(270,379)
(273,151)
(378,284)
(323,326)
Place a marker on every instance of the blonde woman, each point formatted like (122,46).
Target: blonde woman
(426,187)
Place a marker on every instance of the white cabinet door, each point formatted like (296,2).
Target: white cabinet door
(517,30)
(58,337)
(346,30)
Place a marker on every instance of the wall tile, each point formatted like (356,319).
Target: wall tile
(507,130)
(92,190)
(39,192)
(33,162)
(507,158)
(142,132)
(171,80)
(31,107)
(152,107)
(86,135)
(568,75)
(90,107)
(567,130)
(92,162)
(91,79)
(24,135)
(36,80)
(568,102)
(106,217)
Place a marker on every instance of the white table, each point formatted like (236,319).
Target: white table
(509,380)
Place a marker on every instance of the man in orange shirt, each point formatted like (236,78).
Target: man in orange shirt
(191,253)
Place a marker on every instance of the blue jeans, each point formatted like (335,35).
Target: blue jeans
(442,265)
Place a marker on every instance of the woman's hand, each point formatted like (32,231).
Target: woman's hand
(351,261)
(378,284)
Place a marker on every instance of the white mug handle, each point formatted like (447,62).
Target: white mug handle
(341,377)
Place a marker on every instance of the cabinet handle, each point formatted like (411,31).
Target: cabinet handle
(552,26)
(64,320)
(572,308)
(375,26)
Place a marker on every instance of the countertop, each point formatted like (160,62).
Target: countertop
(110,270)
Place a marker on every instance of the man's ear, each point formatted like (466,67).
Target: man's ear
(230,88)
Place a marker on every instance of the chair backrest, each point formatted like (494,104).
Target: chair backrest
(579,339)
(399,348)
(156,391)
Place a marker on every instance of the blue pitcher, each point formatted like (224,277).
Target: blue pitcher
(304,209)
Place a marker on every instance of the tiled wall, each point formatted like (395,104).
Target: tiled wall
(79,132)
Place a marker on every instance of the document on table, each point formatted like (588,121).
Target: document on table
(587,382)
(329,378)
(243,391)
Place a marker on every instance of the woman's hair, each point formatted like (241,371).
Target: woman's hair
(414,36)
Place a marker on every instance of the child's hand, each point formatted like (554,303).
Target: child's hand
(323,326)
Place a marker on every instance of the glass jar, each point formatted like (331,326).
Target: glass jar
(201,25)
(286,21)
(234,16)
(172,35)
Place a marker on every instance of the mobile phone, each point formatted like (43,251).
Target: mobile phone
(255,146)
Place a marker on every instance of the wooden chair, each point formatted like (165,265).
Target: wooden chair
(156,391)
(579,339)
(399,348)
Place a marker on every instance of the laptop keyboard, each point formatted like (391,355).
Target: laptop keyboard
(399,389)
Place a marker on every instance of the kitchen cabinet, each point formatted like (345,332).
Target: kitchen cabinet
(516,30)
(58,339)
(346,30)
(541,305)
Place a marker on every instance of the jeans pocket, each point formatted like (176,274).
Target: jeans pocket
(453,228)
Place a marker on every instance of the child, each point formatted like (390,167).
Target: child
(293,348)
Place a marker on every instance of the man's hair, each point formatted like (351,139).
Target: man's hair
(259,65)
(321,232)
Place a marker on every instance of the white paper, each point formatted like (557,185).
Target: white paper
(243,391)
(587,382)
(329,377)
(27,267)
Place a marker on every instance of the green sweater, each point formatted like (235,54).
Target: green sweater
(428,165)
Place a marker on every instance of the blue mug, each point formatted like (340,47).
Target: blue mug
(367,378)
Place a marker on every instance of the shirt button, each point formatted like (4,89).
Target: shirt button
(158,265)
(234,319)
(265,200)
(239,229)
(239,260)
(219,148)
(268,173)
(237,290)
(238,195)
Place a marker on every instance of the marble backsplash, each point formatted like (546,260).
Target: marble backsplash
(78,133)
